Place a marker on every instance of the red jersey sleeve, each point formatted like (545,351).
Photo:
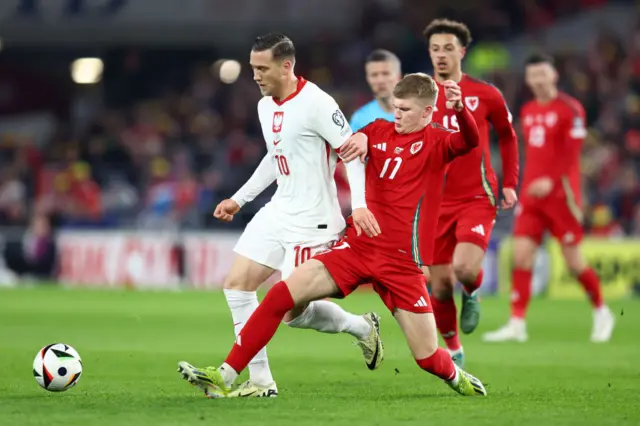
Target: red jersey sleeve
(371,129)
(462,142)
(573,133)
(501,118)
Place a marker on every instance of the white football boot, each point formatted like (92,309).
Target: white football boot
(514,331)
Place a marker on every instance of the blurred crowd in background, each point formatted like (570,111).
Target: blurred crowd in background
(168,139)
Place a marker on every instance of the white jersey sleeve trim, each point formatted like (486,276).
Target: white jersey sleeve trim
(262,177)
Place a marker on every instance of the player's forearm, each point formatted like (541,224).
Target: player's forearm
(262,177)
(509,152)
(469,136)
(357,182)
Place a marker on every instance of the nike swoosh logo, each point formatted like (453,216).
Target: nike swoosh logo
(235,324)
(276,142)
(372,364)
(247,394)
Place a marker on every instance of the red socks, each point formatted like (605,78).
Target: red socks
(470,288)
(521,292)
(261,326)
(447,321)
(439,364)
(591,284)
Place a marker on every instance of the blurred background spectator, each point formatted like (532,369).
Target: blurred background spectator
(154,133)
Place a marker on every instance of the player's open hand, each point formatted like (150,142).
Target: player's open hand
(354,147)
(364,220)
(225,210)
(453,95)
(510,198)
(540,187)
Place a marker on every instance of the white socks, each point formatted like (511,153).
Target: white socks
(242,304)
(229,375)
(328,317)
(453,382)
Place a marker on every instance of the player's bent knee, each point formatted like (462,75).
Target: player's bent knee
(524,251)
(576,263)
(465,272)
(311,281)
(294,313)
(246,275)
(442,287)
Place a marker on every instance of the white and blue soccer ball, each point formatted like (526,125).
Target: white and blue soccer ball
(57,367)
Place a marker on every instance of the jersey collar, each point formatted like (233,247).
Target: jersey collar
(301,83)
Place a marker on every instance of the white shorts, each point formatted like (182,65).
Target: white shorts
(264,242)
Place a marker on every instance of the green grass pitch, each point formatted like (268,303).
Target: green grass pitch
(130,343)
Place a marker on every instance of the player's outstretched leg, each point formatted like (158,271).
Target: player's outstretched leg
(307,283)
(420,331)
(467,268)
(444,309)
(240,288)
(328,317)
(603,319)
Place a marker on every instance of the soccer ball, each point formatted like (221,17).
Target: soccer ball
(57,367)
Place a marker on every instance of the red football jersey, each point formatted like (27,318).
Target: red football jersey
(554,133)
(472,175)
(405,174)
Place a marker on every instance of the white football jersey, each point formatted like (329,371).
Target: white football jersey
(302,133)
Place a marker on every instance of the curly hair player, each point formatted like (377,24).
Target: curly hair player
(470,205)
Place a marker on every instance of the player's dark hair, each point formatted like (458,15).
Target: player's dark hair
(280,45)
(539,58)
(382,55)
(447,26)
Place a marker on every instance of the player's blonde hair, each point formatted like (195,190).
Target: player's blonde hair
(418,85)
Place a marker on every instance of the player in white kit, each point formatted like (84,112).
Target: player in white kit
(303,128)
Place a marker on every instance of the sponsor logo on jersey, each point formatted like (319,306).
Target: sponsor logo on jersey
(471,102)
(415,147)
(381,146)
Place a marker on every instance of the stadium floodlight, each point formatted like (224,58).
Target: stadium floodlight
(87,70)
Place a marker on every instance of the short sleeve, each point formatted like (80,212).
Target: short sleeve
(330,122)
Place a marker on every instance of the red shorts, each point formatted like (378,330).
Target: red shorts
(399,283)
(557,216)
(464,222)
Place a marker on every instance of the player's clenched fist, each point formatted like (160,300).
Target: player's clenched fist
(510,198)
(453,95)
(354,147)
(364,220)
(225,210)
